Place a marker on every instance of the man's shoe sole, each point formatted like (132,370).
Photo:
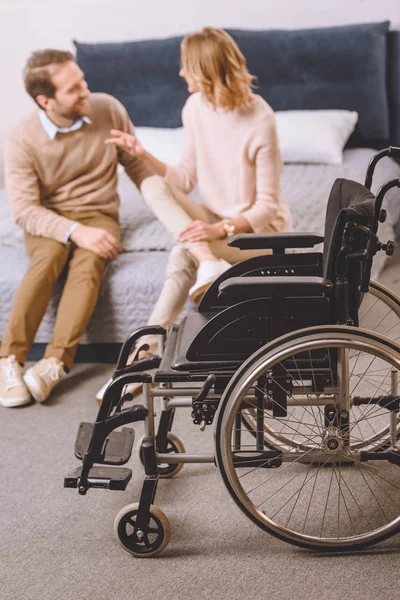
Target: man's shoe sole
(14,402)
(33,387)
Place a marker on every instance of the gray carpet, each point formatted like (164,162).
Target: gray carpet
(55,544)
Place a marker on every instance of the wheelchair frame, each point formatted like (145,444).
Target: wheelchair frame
(162,454)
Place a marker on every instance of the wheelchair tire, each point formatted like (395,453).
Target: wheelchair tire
(379,312)
(155,538)
(329,497)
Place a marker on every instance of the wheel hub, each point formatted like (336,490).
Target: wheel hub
(332,440)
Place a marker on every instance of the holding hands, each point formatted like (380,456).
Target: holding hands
(127,142)
(196,231)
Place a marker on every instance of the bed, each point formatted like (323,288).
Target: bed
(351,68)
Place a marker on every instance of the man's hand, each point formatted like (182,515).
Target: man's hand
(125,141)
(96,240)
(198,231)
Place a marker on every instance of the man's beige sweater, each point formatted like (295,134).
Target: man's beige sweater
(75,171)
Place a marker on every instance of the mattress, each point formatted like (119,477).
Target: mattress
(132,283)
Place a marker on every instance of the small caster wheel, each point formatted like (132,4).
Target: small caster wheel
(143,544)
(174,446)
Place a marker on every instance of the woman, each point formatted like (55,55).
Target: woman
(232,154)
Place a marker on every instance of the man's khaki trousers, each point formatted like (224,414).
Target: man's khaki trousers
(78,299)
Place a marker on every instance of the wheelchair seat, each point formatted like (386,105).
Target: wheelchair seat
(180,338)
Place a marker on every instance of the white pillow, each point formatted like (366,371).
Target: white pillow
(314,136)
(165,144)
(305,136)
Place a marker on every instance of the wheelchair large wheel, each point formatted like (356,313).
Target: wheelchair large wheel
(379,312)
(325,493)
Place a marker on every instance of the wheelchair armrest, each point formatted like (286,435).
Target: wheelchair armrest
(245,288)
(277,241)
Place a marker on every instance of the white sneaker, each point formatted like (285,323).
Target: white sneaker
(13,391)
(208,272)
(43,377)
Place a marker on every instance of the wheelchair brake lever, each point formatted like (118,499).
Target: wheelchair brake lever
(209,382)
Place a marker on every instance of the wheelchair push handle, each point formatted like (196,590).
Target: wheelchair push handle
(392,151)
(379,213)
(374,244)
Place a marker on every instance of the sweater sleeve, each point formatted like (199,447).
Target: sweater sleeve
(184,175)
(268,171)
(135,167)
(23,191)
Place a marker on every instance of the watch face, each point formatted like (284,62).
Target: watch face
(229,229)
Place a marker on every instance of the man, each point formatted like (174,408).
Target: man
(61,180)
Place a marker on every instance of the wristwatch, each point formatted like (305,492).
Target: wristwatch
(229,228)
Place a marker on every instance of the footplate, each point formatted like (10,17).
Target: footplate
(108,478)
(117,448)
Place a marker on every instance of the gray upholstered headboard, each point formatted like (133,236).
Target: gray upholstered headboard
(354,67)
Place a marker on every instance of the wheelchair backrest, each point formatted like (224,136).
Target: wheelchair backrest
(350,205)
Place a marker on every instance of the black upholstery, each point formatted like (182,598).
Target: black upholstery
(244,288)
(276,241)
(304,264)
(346,197)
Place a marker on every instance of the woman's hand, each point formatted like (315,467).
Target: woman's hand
(127,142)
(198,231)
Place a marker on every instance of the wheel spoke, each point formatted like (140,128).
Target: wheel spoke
(365,314)
(343,498)
(370,489)
(296,421)
(293,429)
(153,530)
(326,505)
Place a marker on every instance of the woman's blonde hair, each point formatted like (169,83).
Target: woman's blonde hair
(213,60)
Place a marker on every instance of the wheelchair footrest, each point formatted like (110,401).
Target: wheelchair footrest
(108,478)
(117,448)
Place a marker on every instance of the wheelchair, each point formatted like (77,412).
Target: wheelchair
(294,360)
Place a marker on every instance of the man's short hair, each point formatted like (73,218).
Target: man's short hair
(37,72)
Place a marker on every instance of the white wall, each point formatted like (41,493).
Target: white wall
(26,25)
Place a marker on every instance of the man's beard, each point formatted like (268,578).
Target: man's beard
(75,113)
